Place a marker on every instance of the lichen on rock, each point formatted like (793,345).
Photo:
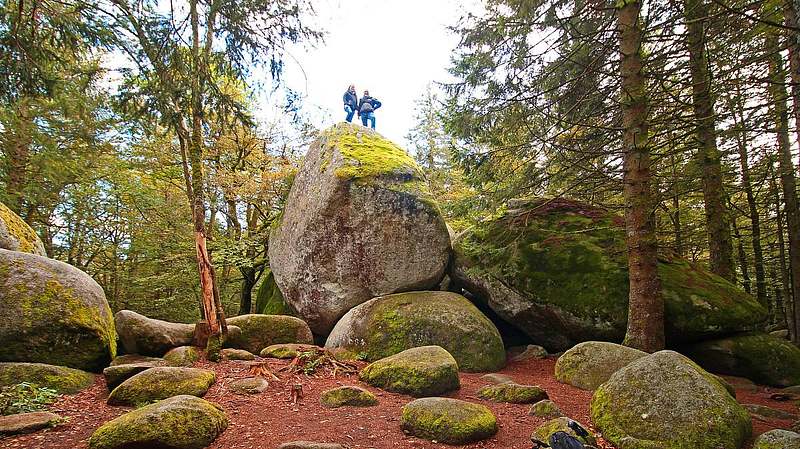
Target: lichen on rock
(260,331)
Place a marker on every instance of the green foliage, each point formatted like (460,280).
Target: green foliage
(25,397)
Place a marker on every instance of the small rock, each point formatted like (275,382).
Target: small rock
(161,383)
(249,385)
(778,439)
(495,378)
(284,350)
(543,432)
(182,356)
(60,378)
(310,445)
(237,354)
(520,353)
(115,375)
(449,421)
(545,409)
(769,412)
(348,395)
(513,393)
(419,372)
(27,422)
(136,358)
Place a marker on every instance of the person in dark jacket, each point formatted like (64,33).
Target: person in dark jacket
(366,109)
(350,103)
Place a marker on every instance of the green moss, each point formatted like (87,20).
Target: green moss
(423,371)
(352,396)
(160,383)
(28,239)
(448,421)
(269,299)
(513,393)
(367,154)
(545,409)
(260,331)
(283,351)
(560,424)
(60,378)
(183,356)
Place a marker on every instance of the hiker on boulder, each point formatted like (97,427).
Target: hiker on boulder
(350,103)
(366,109)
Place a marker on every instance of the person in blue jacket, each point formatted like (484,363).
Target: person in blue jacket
(350,103)
(366,109)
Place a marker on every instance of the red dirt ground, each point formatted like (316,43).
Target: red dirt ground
(265,420)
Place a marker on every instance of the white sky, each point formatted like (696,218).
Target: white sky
(393,48)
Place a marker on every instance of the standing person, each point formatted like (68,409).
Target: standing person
(366,109)
(350,103)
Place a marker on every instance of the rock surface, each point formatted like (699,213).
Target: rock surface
(589,364)
(359,223)
(520,353)
(51,312)
(543,432)
(419,372)
(546,409)
(27,422)
(762,358)
(160,383)
(236,354)
(495,378)
(513,393)
(115,375)
(389,324)
(777,439)
(348,395)
(665,400)
(182,356)
(557,270)
(269,299)
(769,412)
(16,235)
(249,385)
(449,421)
(136,358)
(285,350)
(180,422)
(260,331)
(147,336)
(60,378)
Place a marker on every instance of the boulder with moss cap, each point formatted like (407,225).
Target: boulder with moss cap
(389,324)
(180,422)
(419,372)
(60,378)
(16,235)
(53,313)
(777,439)
(589,364)
(160,383)
(260,331)
(666,401)
(557,269)
(513,393)
(359,223)
(347,395)
(449,421)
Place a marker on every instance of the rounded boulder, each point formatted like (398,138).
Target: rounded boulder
(16,235)
(260,331)
(160,383)
(419,372)
(589,364)
(449,421)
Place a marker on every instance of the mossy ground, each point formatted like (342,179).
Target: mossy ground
(448,421)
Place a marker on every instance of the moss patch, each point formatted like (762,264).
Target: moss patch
(60,378)
(16,227)
(545,409)
(419,372)
(513,393)
(347,395)
(269,299)
(182,356)
(448,421)
(284,351)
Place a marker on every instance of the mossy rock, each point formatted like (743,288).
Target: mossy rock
(347,395)
(60,378)
(160,383)
(589,364)
(762,358)
(285,350)
(16,235)
(180,422)
(53,313)
(359,222)
(449,421)
(496,378)
(182,356)
(236,354)
(777,439)
(115,375)
(22,423)
(269,299)
(139,334)
(545,409)
(249,385)
(389,324)
(260,331)
(561,424)
(666,401)
(419,372)
(769,412)
(513,393)
(557,269)
(136,358)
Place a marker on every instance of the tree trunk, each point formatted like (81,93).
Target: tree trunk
(646,306)
(246,295)
(717,225)
(793,44)
(17,147)
(785,282)
(742,260)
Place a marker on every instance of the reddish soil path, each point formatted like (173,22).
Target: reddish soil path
(265,420)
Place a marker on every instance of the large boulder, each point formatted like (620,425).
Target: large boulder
(762,358)
(419,372)
(260,331)
(60,378)
(666,401)
(160,383)
(180,422)
(139,334)
(557,269)
(449,421)
(389,324)
(359,223)
(591,363)
(16,235)
(54,313)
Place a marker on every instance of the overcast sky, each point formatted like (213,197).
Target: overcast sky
(394,48)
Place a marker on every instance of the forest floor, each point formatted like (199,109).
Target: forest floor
(268,419)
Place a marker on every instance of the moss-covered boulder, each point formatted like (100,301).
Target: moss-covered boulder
(359,223)
(419,372)
(260,331)
(54,313)
(27,422)
(128,359)
(557,269)
(666,401)
(182,356)
(115,375)
(777,439)
(545,409)
(449,421)
(285,350)
(160,383)
(16,235)
(236,354)
(562,424)
(762,358)
(269,299)
(248,385)
(139,334)
(389,324)
(589,364)
(180,422)
(347,395)
(513,393)
(60,378)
